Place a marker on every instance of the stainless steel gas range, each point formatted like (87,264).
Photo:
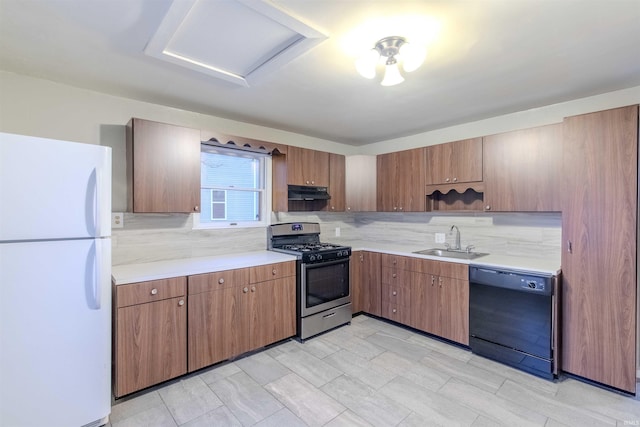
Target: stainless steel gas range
(323,290)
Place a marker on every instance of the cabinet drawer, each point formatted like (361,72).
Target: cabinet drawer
(263,273)
(154,290)
(453,270)
(396,294)
(396,312)
(218,280)
(394,276)
(401,262)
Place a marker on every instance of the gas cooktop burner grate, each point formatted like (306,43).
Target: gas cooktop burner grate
(310,247)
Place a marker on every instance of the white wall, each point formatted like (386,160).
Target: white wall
(520,120)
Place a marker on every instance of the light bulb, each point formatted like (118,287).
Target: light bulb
(412,56)
(366,64)
(391,75)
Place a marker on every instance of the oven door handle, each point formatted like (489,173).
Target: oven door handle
(317,264)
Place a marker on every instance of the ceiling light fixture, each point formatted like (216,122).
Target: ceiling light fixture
(391,49)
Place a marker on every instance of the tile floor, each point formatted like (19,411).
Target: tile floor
(371,373)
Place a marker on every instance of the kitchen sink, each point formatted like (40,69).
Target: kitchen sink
(450,253)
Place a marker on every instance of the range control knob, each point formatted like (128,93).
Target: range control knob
(312,257)
(319,257)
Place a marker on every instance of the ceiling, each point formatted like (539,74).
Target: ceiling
(485,57)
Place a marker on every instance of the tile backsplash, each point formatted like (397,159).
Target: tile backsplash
(155,237)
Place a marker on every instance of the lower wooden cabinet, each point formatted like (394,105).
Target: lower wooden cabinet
(429,295)
(441,307)
(229,313)
(271,311)
(150,334)
(365,282)
(396,294)
(236,311)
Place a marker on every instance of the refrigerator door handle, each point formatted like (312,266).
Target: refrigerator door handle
(92,275)
(95,203)
(98,202)
(97,287)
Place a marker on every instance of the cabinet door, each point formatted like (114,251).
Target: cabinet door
(454,309)
(599,257)
(467,160)
(218,328)
(522,169)
(437,164)
(271,311)
(151,344)
(360,185)
(355,270)
(454,162)
(336,183)
(410,188)
(163,167)
(307,167)
(370,285)
(425,307)
(386,182)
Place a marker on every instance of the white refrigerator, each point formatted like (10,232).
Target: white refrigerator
(55,283)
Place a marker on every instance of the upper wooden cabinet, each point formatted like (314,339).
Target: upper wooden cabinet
(163,167)
(336,183)
(454,162)
(400,178)
(522,169)
(599,257)
(360,184)
(307,167)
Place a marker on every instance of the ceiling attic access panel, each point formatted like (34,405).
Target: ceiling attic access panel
(211,37)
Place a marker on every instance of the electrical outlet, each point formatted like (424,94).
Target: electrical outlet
(337,231)
(440,237)
(117,220)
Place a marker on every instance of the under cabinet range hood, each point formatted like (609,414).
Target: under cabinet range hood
(302,192)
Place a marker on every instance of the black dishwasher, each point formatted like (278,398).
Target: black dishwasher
(513,318)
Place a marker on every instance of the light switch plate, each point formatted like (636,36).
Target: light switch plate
(440,237)
(117,220)
(337,231)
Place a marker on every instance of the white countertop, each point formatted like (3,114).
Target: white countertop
(131,273)
(519,263)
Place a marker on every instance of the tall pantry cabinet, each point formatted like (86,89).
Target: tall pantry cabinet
(599,259)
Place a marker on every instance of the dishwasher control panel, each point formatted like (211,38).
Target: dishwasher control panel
(533,284)
(520,281)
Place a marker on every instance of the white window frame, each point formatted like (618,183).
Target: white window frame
(265,212)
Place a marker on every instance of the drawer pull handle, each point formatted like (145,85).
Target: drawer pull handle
(394,310)
(253,289)
(221,280)
(245,289)
(329,315)
(154,291)
(394,293)
(181,302)
(274,272)
(394,275)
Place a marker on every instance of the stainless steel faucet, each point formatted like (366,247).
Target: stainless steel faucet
(457,247)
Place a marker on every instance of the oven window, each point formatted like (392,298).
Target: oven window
(326,283)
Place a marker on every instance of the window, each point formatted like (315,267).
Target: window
(233,188)
(218,204)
